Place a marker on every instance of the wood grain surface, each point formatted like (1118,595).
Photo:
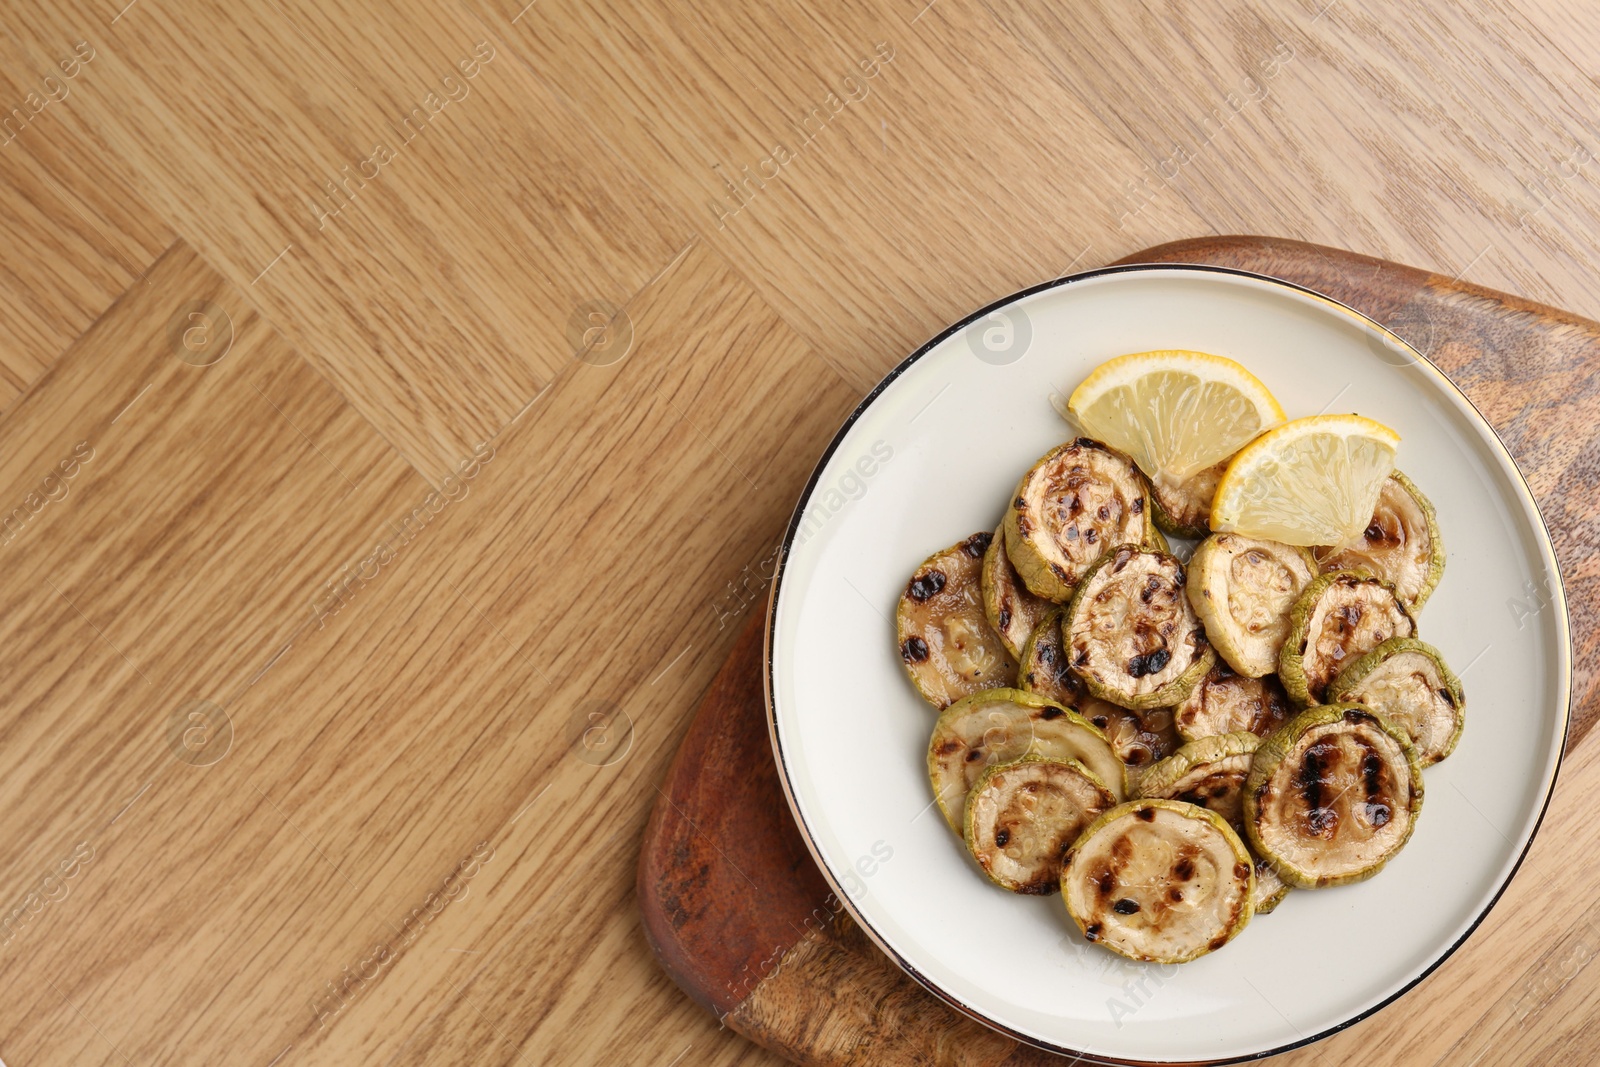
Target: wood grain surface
(400,405)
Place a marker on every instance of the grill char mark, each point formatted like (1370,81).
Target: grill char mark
(926,585)
(1373,776)
(1310,779)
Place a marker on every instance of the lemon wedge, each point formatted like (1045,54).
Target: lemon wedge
(1174,412)
(1313,481)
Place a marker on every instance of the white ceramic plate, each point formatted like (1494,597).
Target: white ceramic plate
(931,457)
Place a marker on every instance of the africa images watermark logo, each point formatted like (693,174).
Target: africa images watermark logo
(352,981)
(52,889)
(600,733)
(599,333)
(340,192)
(740,190)
(850,485)
(51,488)
(201,333)
(199,733)
(352,577)
(820,918)
(1000,337)
(50,90)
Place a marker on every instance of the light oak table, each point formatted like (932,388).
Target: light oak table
(400,405)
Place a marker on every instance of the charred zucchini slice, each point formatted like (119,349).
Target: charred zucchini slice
(1184,510)
(1080,500)
(1226,702)
(1042,666)
(1209,772)
(1001,726)
(1023,816)
(1332,796)
(947,645)
(1139,738)
(1130,632)
(1007,604)
(1160,881)
(1243,589)
(1400,545)
(1408,683)
(1339,618)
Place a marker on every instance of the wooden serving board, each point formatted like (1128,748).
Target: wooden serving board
(733,904)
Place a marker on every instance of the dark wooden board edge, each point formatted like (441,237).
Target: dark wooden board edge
(732,903)
(726,884)
(741,918)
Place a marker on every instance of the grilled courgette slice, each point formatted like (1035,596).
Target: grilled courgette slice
(1339,618)
(1130,632)
(1243,589)
(1225,702)
(1042,666)
(1184,510)
(1007,604)
(1160,881)
(1003,725)
(1139,738)
(1209,772)
(946,643)
(1408,683)
(1022,817)
(1332,796)
(1080,500)
(1400,545)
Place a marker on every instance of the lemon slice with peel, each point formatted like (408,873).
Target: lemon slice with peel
(1175,412)
(1313,481)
